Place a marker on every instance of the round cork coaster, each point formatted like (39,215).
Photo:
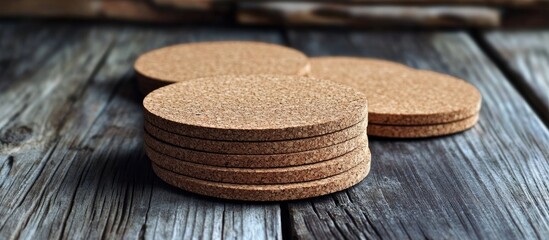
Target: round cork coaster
(257,160)
(271,147)
(399,95)
(197,60)
(255,107)
(293,174)
(270,192)
(422,131)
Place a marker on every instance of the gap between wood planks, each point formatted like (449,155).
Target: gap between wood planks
(514,78)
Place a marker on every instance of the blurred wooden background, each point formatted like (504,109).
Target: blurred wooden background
(370,13)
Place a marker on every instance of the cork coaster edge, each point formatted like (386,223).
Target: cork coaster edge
(274,192)
(256,147)
(279,175)
(257,160)
(422,119)
(422,131)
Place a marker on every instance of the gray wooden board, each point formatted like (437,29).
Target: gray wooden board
(71,163)
(71,158)
(24,47)
(526,54)
(489,182)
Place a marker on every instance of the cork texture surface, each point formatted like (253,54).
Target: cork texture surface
(255,108)
(293,174)
(400,95)
(262,147)
(422,131)
(269,192)
(205,59)
(256,160)
(147,85)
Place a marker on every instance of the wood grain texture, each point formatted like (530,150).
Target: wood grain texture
(341,14)
(489,182)
(526,55)
(71,158)
(72,164)
(129,10)
(25,46)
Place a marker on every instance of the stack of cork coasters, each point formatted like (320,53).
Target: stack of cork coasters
(183,62)
(258,137)
(404,102)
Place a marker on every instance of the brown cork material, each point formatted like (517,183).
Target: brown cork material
(258,160)
(422,131)
(399,95)
(146,85)
(206,59)
(255,108)
(293,174)
(273,147)
(270,192)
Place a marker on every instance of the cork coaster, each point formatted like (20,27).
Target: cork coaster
(271,147)
(255,107)
(197,60)
(399,95)
(258,160)
(146,86)
(422,131)
(293,174)
(271,192)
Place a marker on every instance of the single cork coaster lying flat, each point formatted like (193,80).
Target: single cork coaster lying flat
(197,60)
(255,108)
(271,192)
(422,131)
(293,174)
(273,147)
(258,160)
(399,95)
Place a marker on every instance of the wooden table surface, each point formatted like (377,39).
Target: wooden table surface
(72,163)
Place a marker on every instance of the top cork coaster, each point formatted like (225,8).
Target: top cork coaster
(255,107)
(196,60)
(399,95)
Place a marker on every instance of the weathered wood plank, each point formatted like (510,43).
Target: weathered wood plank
(489,182)
(132,10)
(25,46)
(526,55)
(341,14)
(71,158)
(30,123)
